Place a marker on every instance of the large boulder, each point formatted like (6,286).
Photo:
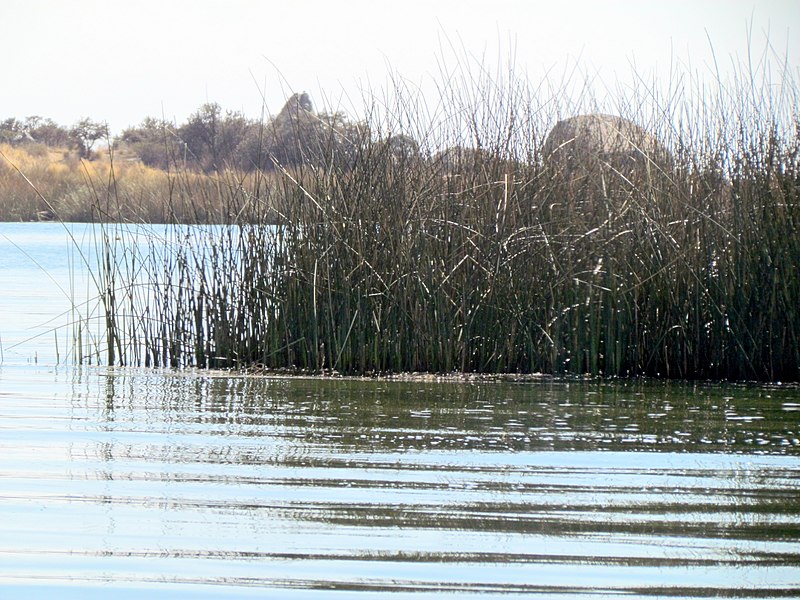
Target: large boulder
(298,108)
(604,149)
(294,135)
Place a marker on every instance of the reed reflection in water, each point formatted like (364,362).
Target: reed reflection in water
(133,482)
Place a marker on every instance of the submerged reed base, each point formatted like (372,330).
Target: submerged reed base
(487,258)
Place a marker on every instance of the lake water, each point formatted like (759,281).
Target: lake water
(130,483)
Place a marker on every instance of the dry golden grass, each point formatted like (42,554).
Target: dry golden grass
(38,182)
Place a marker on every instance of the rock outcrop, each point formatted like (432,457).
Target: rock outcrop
(593,145)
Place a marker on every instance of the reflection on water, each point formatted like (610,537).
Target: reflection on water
(189,485)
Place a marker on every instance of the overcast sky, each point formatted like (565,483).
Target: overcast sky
(122,60)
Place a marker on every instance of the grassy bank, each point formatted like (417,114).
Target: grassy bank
(39,182)
(485,258)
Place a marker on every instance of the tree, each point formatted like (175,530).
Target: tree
(85,134)
(47,131)
(252,152)
(212,137)
(402,148)
(153,142)
(10,130)
(34,129)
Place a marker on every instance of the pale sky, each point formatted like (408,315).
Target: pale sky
(120,61)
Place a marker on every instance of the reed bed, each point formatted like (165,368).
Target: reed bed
(473,254)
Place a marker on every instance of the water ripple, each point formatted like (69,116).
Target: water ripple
(138,483)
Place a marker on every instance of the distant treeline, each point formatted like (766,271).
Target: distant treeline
(164,172)
(212,139)
(81,137)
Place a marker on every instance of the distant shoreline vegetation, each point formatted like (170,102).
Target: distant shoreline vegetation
(447,239)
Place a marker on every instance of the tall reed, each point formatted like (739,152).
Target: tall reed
(473,254)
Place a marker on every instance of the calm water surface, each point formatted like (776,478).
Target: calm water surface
(130,483)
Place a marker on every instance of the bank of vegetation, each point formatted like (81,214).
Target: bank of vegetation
(440,239)
(157,171)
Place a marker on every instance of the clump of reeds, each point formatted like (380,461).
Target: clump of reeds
(467,251)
